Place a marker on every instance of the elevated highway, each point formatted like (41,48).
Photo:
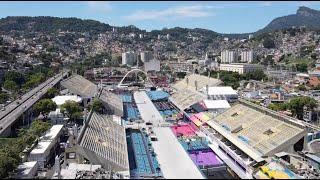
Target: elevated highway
(16,108)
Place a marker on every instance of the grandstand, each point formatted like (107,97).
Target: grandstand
(201,118)
(275,170)
(131,112)
(79,85)
(112,102)
(205,158)
(183,130)
(196,82)
(193,143)
(166,109)
(183,99)
(157,95)
(143,160)
(255,132)
(104,142)
(126,97)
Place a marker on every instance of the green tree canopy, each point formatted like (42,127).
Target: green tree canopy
(51,93)
(296,105)
(268,43)
(97,106)
(44,106)
(11,86)
(16,77)
(255,75)
(3,97)
(72,109)
(11,148)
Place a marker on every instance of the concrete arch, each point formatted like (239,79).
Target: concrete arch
(135,70)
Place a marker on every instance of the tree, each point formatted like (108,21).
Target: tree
(16,77)
(278,106)
(302,67)
(97,106)
(255,75)
(297,104)
(44,106)
(302,87)
(51,93)
(11,148)
(72,109)
(268,43)
(11,86)
(3,97)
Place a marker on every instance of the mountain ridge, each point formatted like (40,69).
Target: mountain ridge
(304,16)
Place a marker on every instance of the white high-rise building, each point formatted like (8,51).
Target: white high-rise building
(152,65)
(168,36)
(250,36)
(247,56)
(129,58)
(146,56)
(229,56)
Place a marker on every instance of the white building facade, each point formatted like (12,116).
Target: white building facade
(129,58)
(247,56)
(240,67)
(229,56)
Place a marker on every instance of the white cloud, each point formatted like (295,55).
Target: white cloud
(102,6)
(195,11)
(265,4)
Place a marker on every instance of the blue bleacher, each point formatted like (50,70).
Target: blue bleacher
(146,164)
(126,98)
(194,145)
(132,112)
(142,162)
(157,95)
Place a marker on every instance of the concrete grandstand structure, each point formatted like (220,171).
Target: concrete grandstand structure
(250,135)
(184,98)
(196,82)
(112,102)
(104,142)
(80,86)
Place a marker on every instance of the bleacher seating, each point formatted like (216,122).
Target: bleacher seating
(146,164)
(127,98)
(157,95)
(132,112)
(196,144)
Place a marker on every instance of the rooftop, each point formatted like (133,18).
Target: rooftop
(59,100)
(196,82)
(41,147)
(52,133)
(185,98)
(221,90)
(106,139)
(216,104)
(80,86)
(25,168)
(112,100)
(254,132)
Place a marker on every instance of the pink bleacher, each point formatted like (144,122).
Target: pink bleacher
(184,130)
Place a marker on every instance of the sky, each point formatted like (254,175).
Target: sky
(219,16)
